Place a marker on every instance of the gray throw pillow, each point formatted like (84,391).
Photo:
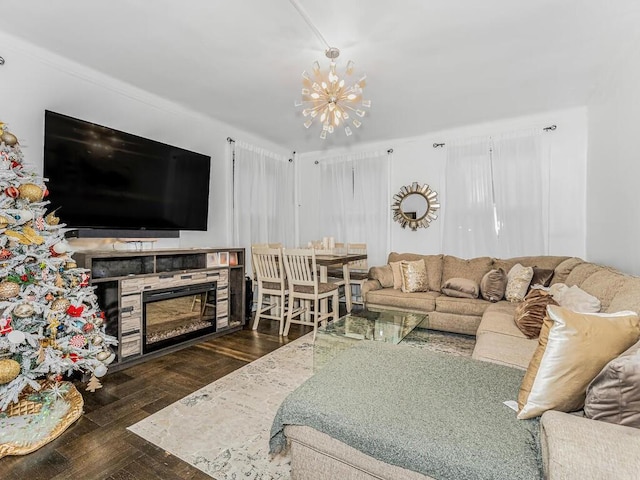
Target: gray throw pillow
(493,285)
(461,288)
(614,395)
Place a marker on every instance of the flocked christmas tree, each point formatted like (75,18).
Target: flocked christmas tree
(50,321)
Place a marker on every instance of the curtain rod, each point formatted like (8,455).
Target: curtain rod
(550,128)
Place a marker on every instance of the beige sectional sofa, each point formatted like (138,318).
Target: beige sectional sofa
(573,447)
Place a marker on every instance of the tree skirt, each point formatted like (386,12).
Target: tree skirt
(39,418)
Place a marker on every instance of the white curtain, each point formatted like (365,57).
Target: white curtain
(263,197)
(496,196)
(352,202)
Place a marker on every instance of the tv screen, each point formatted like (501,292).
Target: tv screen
(101,178)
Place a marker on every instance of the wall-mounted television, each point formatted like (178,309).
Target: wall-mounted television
(102,180)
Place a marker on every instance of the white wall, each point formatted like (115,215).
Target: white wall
(33,80)
(416,160)
(613,207)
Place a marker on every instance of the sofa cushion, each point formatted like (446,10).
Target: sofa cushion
(626,298)
(542,276)
(614,395)
(604,284)
(461,306)
(461,288)
(390,298)
(414,276)
(493,285)
(540,261)
(530,313)
(581,272)
(383,274)
(563,269)
(452,322)
(574,298)
(518,281)
(572,349)
(432,262)
(473,269)
(397,274)
(498,340)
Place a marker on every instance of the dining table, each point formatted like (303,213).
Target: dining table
(324,261)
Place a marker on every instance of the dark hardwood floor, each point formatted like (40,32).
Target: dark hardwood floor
(98,446)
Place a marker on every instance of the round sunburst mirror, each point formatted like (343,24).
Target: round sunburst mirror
(415,206)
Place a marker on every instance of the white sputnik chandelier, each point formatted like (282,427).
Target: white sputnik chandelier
(326,96)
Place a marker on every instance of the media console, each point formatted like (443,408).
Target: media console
(158,301)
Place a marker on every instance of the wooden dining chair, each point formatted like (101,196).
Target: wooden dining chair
(272,286)
(358,272)
(305,286)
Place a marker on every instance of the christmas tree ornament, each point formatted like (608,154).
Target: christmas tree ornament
(60,248)
(96,341)
(16,336)
(87,327)
(103,355)
(9,290)
(6,221)
(51,219)
(31,192)
(93,384)
(9,138)
(75,310)
(12,192)
(5,254)
(100,371)
(78,341)
(70,264)
(23,310)
(21,217)
(9,370)
(49,296)
(60,305)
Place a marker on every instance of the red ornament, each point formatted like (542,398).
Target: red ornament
(53,252)
(45,192)
(74,357)
(24,278)
(87,327)
(77,341)
(84,279)
(5,326)
(102,315)
(74,311)
(4,254)
(58,378)
(15,164)
(12,192)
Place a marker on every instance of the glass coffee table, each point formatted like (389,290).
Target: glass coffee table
(388,326)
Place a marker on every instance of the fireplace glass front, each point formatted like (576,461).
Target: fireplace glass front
(171,316)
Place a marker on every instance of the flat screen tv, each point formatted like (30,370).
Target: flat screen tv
(104,179)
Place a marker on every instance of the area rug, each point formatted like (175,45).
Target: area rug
(223,428)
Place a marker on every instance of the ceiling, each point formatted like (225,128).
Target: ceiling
(430,64)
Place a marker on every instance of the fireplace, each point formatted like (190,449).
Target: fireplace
(173,315)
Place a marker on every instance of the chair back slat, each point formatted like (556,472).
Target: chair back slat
(360,248)
(268,265)
(300,265)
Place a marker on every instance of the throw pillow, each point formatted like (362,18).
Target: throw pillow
(614,395)
(529,315)
(565,267)
(397,275)
(414,276)
(460,288)
(518,280)
(493,285)
(384,275)
(541,276)
(574,298)
(573,347)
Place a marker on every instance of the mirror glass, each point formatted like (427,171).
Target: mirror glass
(415,206)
